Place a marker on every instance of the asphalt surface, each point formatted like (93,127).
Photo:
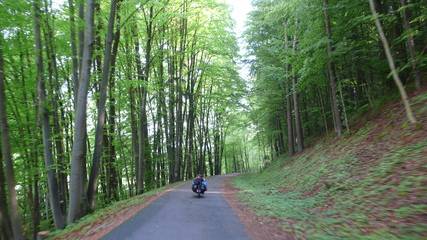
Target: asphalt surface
(180,214)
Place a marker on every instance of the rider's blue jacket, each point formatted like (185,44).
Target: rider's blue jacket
(204,182)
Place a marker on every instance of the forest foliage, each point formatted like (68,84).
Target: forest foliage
(105,100)
(318,66)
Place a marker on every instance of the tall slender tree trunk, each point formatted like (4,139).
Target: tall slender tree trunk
(297,115)
(115,178)
(81,37)
(44,119)
(162,113)
(322,106)
(344,109)
(289,123)
(410,44)
(5,227)
(288,98)
(57,108)
(6,152)
(97,153)
(217,148)
(143,75)
(132,112)
(146,150)
(331,73)
(79,145)
(298,124)
(171,103)
(390,59)
(73,45)
(36,202)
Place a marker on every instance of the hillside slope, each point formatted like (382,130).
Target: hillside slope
(371,184)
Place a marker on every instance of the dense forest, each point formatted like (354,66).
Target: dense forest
(104,100)
(320,65)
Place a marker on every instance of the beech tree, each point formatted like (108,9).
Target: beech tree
(79,140)
(15,219)
(44,119)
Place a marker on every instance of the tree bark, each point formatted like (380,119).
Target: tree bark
(132,111)
(81,38)
(57,107)
(5,227)
(390,59)
(344,109)
(217,148)
(332,79)
(289,123)
(44,120)
(146,159)
(170,137)
(15,219)
(73,45)
(97,153)
(112,168)
(323,111)
(141,132)
(298,124)
(410,44)
(79,146)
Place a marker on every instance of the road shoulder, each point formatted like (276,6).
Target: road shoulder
(103,221)
(259,228)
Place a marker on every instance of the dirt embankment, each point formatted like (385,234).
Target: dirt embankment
(259,228)
(367,184)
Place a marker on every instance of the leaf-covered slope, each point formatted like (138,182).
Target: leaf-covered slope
(370,184)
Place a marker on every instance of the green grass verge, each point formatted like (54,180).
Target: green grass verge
(339,206)
(329,193)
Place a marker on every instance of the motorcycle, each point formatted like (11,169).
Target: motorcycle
(199,188)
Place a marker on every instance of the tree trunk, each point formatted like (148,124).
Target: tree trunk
(36,206)
(57,107)
(5,227)
(79,146)
(115,178)
(143,147)
(170,137)
(331,73)
(344,108)
(393,69)
(410,44)
(44,120)
(217,149)
(323,111)
(74,60)
(97,153)
(291,148)
(298,124)
(132,111)
(6,151)
(146,151)
(81,37)
(288,99)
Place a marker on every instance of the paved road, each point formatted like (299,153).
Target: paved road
(179,214)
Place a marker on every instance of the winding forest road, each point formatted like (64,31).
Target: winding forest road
(180,214)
